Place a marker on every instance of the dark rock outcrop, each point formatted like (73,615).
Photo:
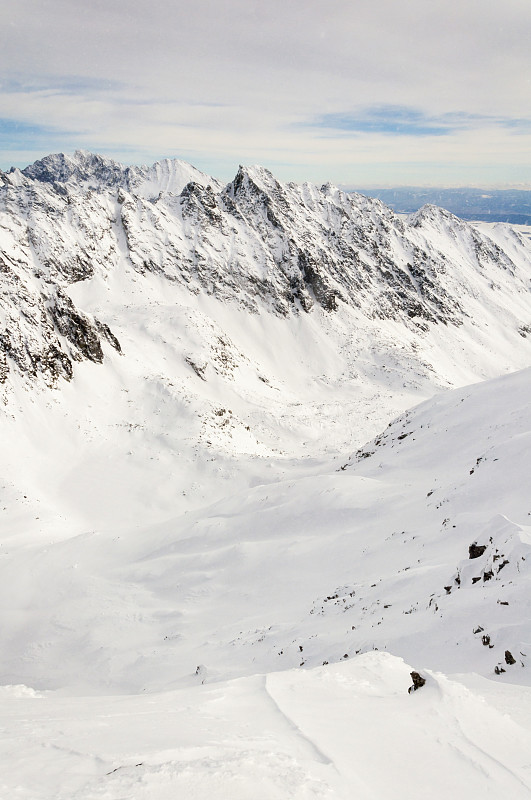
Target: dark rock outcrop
(476,550)
(418,682)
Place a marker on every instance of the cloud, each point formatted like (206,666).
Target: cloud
(242,80)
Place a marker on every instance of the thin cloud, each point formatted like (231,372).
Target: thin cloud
(405,121)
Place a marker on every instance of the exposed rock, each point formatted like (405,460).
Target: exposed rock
(476,550)
(76,327)
(418,682)
(199,369)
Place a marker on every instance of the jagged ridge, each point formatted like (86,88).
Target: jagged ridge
(256,242)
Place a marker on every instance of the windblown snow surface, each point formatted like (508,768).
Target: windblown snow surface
(225,548)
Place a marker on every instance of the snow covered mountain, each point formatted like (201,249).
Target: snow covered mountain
(259,245)
(219,491)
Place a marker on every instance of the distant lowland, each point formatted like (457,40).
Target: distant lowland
(494,205)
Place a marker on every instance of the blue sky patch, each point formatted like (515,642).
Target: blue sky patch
(397,120)
(15,135)
(71,85)
(407,121)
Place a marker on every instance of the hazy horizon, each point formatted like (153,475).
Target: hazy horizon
(228,176)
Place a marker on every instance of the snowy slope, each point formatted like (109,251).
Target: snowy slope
(313,566)
(331,733)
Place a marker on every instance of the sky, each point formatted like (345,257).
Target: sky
(359,92)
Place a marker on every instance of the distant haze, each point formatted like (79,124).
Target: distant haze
(508,205)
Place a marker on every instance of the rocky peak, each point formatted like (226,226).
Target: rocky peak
(430,213)
(253,181)
(81,167)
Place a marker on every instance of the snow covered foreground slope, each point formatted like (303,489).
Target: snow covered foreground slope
(331,733)
(268,585)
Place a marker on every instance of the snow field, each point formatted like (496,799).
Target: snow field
(329,732)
